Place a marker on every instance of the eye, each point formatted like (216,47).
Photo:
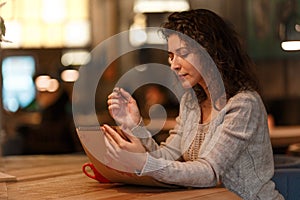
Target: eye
(171,57)
(183,53)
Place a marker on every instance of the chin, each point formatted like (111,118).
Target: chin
(186,85)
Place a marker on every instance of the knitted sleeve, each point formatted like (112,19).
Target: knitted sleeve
(236,125)
(169,150)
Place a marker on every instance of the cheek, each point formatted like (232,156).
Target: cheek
(196,74)
(198,77)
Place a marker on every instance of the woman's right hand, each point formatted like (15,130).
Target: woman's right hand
(123,108)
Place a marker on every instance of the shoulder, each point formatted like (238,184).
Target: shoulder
(246,99)
(246,105)
(243,115)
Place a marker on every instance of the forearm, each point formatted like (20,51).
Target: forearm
(169,150)
(191,174)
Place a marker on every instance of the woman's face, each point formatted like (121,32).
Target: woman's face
(182,61)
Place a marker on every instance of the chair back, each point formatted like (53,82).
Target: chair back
(287,182)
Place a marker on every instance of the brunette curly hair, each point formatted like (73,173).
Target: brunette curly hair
(221,42)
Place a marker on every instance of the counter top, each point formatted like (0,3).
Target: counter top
(60,177)
(283,136)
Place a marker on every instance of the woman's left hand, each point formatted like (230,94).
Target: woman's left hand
(129,153)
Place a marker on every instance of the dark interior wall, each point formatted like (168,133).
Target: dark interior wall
(278,71)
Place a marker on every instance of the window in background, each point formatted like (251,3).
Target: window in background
(18,86)
(47,23)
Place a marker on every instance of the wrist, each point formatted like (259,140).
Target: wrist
(140,123)
(139,170)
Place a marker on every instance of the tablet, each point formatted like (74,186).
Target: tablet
(92,140)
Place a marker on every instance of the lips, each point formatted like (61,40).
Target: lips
(181,76)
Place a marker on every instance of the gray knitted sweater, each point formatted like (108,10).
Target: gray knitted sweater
(236,151)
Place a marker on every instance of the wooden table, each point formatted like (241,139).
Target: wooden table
(60,177)
(283,136)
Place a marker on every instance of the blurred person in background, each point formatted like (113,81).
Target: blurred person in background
(55,133)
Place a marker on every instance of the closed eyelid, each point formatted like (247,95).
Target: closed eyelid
(170,54)
(182,50)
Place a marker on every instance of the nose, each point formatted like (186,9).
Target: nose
(175,63)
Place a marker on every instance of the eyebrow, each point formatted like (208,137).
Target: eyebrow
(179,49)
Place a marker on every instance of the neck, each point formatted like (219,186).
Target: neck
(206,109)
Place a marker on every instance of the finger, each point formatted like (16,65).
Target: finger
(109,141)
(110,147)
(117,92)
(109,157)
(113,95)
(113,101)
(116,89)
(114,108)
(117,98)
(125,94)
(114,135)
(121,132)
(130,136)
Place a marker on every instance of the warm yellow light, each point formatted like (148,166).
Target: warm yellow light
(42,82)
(153,6)
(53,85)
(46,23)
(25,10)
(13,34)
(75,57)
(7,11)
(69,75)
(53,35)
(31,37)
(77,33)
(46,83)
(54,11)
(137,35)
(78,9)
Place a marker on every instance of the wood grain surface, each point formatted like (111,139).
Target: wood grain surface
(60,177)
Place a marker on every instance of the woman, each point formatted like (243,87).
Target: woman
(231,147)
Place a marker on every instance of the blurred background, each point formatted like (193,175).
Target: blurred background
(51,39)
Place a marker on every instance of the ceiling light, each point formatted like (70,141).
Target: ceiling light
(53,85)
(289,29)
(137,35)
(154,6)
(75,57)
(42,82)
(69,75)
(290,45)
